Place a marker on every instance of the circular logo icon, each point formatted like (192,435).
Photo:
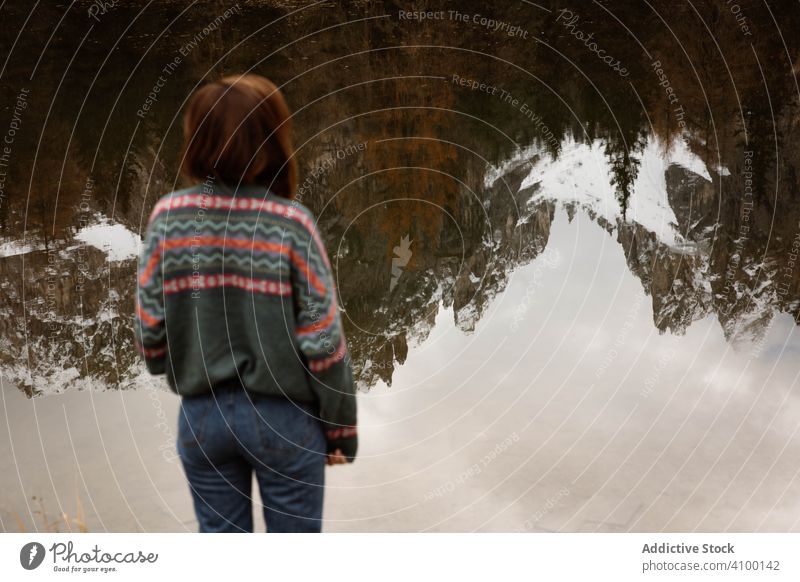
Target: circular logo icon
(31,555)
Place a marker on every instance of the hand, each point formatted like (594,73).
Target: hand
(335,458)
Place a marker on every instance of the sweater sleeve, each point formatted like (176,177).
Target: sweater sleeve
(149,329)
(320,339)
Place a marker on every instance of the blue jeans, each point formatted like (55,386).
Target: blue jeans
(225,436)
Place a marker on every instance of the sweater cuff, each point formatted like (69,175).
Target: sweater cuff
(155,358)
(343,438)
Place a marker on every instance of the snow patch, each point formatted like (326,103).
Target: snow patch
(12,248)
(522,156)
(722,170)
(112,238)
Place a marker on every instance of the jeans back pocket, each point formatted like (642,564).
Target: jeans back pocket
(283,425)
(193,417)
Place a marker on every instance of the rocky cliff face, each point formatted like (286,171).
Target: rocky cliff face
(68,309)
(68,317)
(462,265)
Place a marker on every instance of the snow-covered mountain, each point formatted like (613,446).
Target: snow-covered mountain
(68,309)
(681,234)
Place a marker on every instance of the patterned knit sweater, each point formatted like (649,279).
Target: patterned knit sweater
(236,287)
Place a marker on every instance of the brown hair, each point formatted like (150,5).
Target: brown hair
(238,130)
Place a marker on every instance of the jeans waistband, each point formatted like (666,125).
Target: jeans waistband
(235,386)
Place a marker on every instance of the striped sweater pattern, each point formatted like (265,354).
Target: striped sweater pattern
(236,286)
